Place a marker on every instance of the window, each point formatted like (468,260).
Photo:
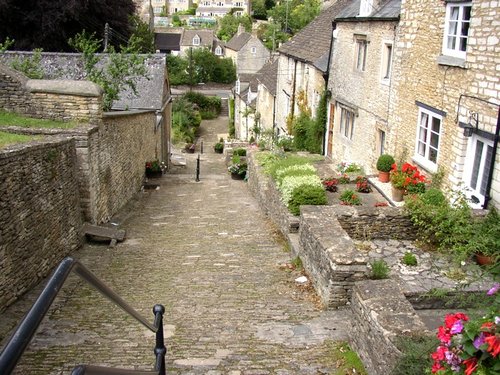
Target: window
(428,136)
(253,50)
(218,51)
(381,142)
(456,29)
(346,122)
(477,169)
(386,61)
(361,45)
(196,40)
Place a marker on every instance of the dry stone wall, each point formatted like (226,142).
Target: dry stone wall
(40,217)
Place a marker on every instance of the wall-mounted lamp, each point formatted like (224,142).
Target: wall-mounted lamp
(473,124)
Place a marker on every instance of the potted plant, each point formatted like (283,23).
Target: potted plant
(154,168)
(485,241)
(219,148)
(404,179)
(362,185)
(384,165)
(330,184)
(238,170)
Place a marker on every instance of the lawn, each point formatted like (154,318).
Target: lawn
(7,139)
(14,119)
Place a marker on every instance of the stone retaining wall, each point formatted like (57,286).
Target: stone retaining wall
(40,217)
(381,315)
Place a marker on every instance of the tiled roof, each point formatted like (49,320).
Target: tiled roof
(268,76)
(168,41)
(206,37)
(313,41)
(385,9)
(238,41)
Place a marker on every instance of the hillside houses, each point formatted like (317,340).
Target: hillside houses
(416,79)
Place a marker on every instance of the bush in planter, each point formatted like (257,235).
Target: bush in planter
(240,151)
(349,198)
(294,170)
(306,195)
(219,147)
(385,162)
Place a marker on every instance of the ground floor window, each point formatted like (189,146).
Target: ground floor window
(477,169)
(346,122)
(428,137)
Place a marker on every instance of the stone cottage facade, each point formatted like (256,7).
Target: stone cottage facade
(303,66)
(265,105)
(445,79)
(361,82)
(248,53)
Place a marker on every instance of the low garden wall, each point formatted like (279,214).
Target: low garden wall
(40,218)
(381,317)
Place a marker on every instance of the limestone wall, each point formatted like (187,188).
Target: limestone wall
(39,213)
(381,315)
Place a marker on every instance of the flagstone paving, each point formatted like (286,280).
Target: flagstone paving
(205,251)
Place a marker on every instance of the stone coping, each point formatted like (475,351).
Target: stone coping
(64,87)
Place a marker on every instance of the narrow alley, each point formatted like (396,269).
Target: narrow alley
(206,252)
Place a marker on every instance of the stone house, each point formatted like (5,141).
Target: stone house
(265,105)
(248,53)
(303,66)
(446,93)
(219,8)
(192,39)
(245,95)
(361,82)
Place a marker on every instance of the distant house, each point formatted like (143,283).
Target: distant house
(361,81)
(169,43)
(265,105)
(219,8)
(303,66)
(175,6)
(245,95)
(248,53)
(192,39)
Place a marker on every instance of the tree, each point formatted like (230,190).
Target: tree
(260,8)
(271,35)
(294,15)
(49,24)
(145,37)
(121,70)
(177,70)
(228,25)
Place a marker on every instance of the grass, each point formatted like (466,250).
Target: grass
(346,359)
(14,119)
(8,139)
(380,270)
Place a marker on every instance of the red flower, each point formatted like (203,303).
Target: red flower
(437,367)
(470,365)
(444,335)
(493,345)
(487,327)
(394,167)
(451,319)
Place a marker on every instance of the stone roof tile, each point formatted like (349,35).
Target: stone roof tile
(238,41)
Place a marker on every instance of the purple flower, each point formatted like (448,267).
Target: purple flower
(478,341)
(497,320)
(494,289)
(457,327)
(453,360)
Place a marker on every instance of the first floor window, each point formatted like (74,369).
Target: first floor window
(386,61)
(456,31)
(477,169)
(346,122)
(361,46)
(196,40)
(428,137)
(381,142)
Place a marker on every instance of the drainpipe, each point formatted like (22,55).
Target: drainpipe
(487,198)
(293,88)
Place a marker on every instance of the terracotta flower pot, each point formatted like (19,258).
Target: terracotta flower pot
(397,194)
(484,259)
(384,176)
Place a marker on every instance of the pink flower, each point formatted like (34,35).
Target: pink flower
(494,289)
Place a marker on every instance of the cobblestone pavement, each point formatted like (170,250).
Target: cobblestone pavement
(205,251)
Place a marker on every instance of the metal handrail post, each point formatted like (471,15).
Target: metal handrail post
(160,349)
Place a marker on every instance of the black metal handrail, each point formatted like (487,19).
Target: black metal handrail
(25,331)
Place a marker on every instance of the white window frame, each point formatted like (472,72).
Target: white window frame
(424,144)
(218,51)
(361,51)
(196,40)
(386,62)
(346,122)
(476,171)
(454,34)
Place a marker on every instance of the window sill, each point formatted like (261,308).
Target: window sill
(424,164)
(451,61)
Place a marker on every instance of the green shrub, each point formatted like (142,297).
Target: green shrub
(240,151)
(30,66)
(415,356)
(306,195)
(294,170)
(380,269)
(283,162)
(385,162)
(486,236)
(290,183)
(409,259)
(219,147)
